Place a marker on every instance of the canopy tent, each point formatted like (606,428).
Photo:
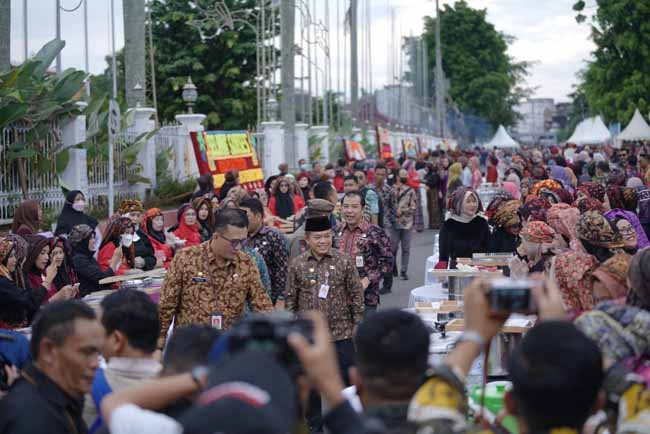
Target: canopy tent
(591,131)
(501,140)
(637,129)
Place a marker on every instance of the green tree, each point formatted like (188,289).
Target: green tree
(222,68)
(617,79)
(484,80)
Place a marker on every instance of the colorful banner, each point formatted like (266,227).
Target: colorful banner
(409,149)
(217,152)
(383,144)
(354,150)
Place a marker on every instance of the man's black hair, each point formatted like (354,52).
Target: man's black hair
(341,162)
(632,160)
(604,166)
(357,194)
(392,354)
(322,189)
(313,165)
(556,372)
(134,314)
(230,217)
(188,347)
(351,178)
(255,205)
(56,322)
(380,166)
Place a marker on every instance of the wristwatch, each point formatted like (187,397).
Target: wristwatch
(471,336)
(199,375)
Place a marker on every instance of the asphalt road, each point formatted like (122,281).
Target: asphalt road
(421,249)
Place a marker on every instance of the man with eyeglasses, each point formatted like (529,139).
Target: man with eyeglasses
(210,283)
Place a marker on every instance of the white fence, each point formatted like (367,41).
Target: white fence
(42,185)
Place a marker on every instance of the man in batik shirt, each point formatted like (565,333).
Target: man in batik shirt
(367,244)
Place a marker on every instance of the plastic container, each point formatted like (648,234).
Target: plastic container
(494,403)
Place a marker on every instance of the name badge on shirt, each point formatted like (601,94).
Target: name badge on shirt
(216,320)
(199,279)
(324,290)
(359,260)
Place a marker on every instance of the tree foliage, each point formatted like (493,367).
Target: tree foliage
(222,68)
(617,79)
(484,80)
(30,100)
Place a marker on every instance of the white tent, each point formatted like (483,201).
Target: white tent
(637,129)
(501,140)
(591,131)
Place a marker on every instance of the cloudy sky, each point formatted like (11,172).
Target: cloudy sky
(545,32)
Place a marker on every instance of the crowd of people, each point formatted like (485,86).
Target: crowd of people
(322,243)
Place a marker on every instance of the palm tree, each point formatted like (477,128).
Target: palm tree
(5,34)
(134,51)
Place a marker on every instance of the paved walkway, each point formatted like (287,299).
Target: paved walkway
(421,249)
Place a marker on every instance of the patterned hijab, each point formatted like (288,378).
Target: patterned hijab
(6,247)
(639,275)
(591,189)
(643,196)
(585,203)
(458,198)
(507,214)
(594,228)
(535,208)
(558,173)
(548,184)
(538,232)
(642,238)
(613,274)
(568,221)
(572,272)
(553,215)
(622,197)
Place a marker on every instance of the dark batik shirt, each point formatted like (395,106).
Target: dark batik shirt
(272,246)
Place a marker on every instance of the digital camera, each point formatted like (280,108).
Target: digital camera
(512,296)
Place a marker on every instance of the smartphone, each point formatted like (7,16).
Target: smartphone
(512,296)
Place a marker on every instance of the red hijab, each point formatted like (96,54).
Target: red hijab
(188,233)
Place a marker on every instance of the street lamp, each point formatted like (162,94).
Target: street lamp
(190,95)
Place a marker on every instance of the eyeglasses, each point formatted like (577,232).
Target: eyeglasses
(235,244)
(627,231)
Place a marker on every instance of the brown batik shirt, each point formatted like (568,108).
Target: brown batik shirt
(342,303)
(196,287)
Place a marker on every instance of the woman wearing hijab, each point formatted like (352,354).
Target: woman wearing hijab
(82,242)
(464,232)
(475,167)
(454,180)
(119,236)
(205,218)
(560,174)
(610,279)
(205,187)
(534,209)
(61,257)
(27,218)
(304,184)
(598,236)
(154,227)
(231,180)
(284,203)
(72,214)
(19,304)
(512,189)
(630,228)
(506,225)
(145,259)
(40,272)
(621,198)
(533,251)
(187,228)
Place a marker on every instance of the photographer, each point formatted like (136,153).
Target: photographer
(556,374)
(251,384)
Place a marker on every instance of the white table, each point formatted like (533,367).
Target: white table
(428,293)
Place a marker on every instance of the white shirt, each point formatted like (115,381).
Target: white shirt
(466,177)
(131,419)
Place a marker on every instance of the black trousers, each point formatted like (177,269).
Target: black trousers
(346,354)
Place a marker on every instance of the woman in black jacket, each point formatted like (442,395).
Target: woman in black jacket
(18,304)
(145,257)
(464,232)
(89,273)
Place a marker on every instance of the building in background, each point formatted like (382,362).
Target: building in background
(536,125)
